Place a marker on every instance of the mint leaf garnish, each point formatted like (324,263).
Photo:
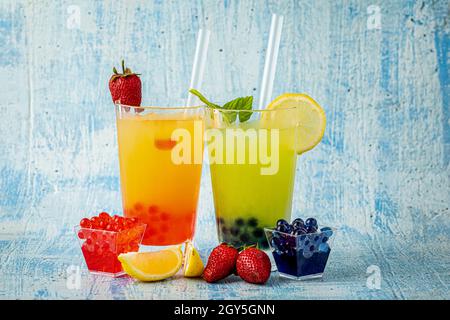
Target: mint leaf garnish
(203,99)
(245,104)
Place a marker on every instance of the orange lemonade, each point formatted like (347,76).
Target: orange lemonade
(160,191)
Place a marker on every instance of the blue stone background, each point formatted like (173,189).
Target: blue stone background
(381,174)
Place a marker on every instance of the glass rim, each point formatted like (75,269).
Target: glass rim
(159,107)
(139,224)
(151,107)
(251,110)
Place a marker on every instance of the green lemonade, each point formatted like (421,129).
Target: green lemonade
(245,200)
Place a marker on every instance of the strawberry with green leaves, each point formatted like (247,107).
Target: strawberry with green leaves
(125,87)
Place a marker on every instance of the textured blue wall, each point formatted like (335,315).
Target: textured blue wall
(381,173)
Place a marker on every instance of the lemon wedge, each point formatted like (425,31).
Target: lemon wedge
(193,264)
(310,115)
(152,266)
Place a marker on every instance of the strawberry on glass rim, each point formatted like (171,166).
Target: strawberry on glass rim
(126,87)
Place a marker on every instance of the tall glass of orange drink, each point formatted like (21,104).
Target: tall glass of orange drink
(160,156)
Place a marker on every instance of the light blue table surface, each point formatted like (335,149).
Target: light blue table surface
(381,173)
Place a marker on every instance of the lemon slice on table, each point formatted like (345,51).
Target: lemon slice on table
(152,266)
(311,118)
(193,264)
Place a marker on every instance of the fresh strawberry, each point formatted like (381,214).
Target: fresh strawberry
(253,265)
(125,87)
(221,263)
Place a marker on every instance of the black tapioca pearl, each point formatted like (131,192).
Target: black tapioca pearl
(226,238)
(224,230)
(220,220)
(235,243)
(252,222)
(234,231)
(258,233)
(244,237)
(239,222)
(263,244)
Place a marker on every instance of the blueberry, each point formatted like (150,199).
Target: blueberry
(291,241)
(279,245)
(252,222)
(279,228)
(324,247)
(311,229)
(276,234)
(311,248)
(284,242)
(275,243)
(307,254)
(290,252)
(324,239)
(311,222)
(318,237)
(239,222)
(288,229)
(283,226)
(300,244)
(298,223)
(327,231)
(299,232)
(282,222)
(302,241)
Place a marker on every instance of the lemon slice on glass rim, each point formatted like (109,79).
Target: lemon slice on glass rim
(152,266)
(311,118)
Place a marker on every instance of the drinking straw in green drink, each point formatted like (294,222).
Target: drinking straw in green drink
(270,65)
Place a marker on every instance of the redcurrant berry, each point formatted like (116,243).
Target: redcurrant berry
(104,216)
(85,223)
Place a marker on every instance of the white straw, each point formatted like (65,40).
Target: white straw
(198,67)
(270,64)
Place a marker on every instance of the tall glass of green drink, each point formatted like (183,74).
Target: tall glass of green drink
(252,157)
